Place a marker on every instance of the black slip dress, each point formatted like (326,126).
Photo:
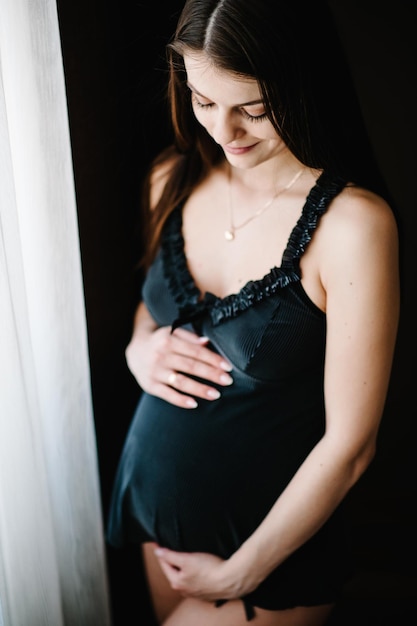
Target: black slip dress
(203,479)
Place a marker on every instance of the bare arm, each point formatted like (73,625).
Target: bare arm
(360,276)
(358,267)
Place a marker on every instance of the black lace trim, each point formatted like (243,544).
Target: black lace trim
(190,302)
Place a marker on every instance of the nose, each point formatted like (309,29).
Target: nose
(226,127)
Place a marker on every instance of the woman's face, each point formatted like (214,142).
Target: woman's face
(231,110)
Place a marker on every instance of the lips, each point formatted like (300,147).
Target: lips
(239,150)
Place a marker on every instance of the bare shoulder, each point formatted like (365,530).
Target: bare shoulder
(361,216)
(358,231)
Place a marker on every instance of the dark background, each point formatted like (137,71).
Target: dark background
(115,76)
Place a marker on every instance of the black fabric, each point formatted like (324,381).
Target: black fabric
(203,479)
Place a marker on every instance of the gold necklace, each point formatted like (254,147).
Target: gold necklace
(230,234)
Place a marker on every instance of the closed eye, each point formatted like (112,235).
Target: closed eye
(246,115)
(253,118)
(201,105)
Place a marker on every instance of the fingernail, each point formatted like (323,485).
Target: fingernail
(192,404)
(226,366)
(203,339)
(158,552)
(213,393)
(226,380)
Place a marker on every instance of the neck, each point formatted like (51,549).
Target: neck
(230,233)
(265,179)
(253,186)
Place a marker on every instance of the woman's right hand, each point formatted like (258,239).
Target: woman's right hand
(163,363)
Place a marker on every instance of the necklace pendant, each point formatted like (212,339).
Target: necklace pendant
(229,235)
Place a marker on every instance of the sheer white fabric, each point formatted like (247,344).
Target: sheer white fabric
(52,559)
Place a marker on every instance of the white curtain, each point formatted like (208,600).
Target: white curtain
(52,558)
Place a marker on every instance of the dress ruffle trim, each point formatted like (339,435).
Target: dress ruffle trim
(316,204)
(193,306)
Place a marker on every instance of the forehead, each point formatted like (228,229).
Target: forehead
(218,84)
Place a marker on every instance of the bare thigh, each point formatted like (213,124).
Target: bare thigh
(163,598)
(172,609)
(191,611)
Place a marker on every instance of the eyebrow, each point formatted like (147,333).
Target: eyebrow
(244,104)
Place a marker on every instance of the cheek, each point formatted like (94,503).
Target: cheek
(273,138)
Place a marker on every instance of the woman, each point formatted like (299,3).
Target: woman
(263,388)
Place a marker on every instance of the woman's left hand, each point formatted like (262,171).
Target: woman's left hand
(198,574)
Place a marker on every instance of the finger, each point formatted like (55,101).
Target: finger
(187,335)
(171,557)
(172,377)
(169,394)
(172,571)
(192,366)
(199,352)
(195,360)
(169,573)
(192,388)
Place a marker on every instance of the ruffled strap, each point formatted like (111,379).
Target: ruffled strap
(192,307)
(176,271)
(317,201)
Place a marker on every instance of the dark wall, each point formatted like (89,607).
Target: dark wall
(381,47)
(115,76)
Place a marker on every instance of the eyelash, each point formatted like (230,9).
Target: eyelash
(246,115)
(254,118)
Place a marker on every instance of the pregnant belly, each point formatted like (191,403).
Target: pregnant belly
(204,479)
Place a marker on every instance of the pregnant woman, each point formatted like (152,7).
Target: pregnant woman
(264,338)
